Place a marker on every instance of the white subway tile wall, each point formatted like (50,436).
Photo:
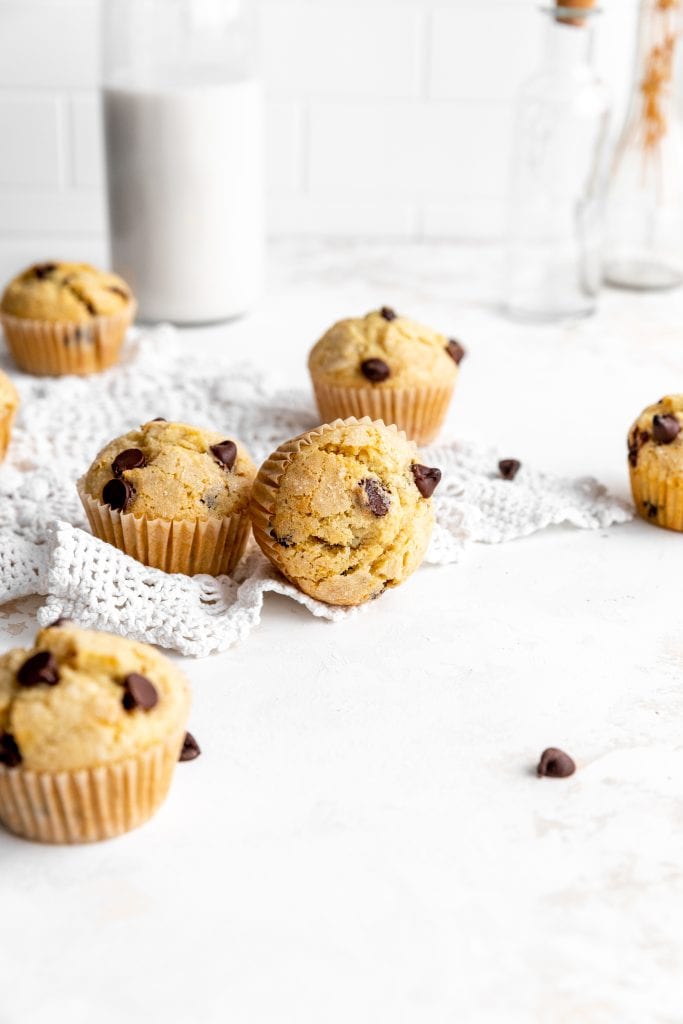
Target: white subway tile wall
(386,118)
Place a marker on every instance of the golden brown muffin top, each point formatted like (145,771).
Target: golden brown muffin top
(73,292)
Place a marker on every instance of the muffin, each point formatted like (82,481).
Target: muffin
(9,403)
(173,496)
(386,367)
(344,511)
(66,318)
(91,728)
(655,459)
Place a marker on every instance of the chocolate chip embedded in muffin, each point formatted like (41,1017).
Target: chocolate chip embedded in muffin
(636,439)
(555,764)
(375,496)
(130,458)
(43,270)
(225,452)
(118,494)
(10,755)
(40,668)
(387,313)
(455,351)
(427,478)
(665,429)
(509,468)
(375,370)
(140,693)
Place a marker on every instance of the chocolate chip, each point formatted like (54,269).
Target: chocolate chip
(555,764)
(130,458)
(377,496)
(388,313)
(159,419)
(375,370)
(42,270)
(455,351)
(119,291)
(635,443)
(225,452)
(10,755)
(426,479)
(509,468)
(650,509)
(118,494)
(61,621)
(40,668)
(190,748)
(284,542)
(140,693)
(665,429)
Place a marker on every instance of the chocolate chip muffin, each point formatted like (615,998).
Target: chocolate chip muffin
(91,728)
(344,511)
(173,496)
(655,460)
(387,367)
(9,403)
(65,318)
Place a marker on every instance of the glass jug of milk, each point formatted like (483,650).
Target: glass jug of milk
(183,124)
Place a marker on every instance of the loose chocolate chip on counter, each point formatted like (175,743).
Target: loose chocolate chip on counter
(130,458)
(509,468)
(140,693)
(190,748)
(225,452)
(10,755)
(387,313)
(40,668)
(42,270)
(427,479)
(555,764)
(455,351)
(665,429)
(377,497)
(375,370)
(118,494)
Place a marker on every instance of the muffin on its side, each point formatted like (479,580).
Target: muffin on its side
(655,461)
(91,728)
(173,496)
(386,367)
(63,318)
(9,403)
(344,511)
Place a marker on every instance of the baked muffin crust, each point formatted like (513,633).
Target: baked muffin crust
(74,292)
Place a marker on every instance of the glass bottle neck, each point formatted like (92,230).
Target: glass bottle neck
(568,45)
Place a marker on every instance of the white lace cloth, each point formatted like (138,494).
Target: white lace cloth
(45,547)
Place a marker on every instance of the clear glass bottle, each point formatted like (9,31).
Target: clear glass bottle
(644,247)
(184,138)
(553,267)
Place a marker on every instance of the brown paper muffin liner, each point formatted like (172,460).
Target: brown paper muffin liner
(6,421)
(43,347)
(419,411)
(189,546)
(267,484)
(658,498)
(91,804)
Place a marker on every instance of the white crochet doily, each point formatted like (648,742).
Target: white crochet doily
(45,547)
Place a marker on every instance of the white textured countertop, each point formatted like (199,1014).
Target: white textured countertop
(363,839)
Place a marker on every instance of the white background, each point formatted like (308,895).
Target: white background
(385,119)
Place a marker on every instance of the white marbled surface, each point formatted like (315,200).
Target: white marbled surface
(363,838)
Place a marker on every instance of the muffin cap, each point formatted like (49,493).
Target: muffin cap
(175,475)
(72,292)
(81,721)
(9,399)
(339,510)
(413,354)
(654,442)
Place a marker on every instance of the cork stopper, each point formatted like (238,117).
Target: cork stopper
(566,9)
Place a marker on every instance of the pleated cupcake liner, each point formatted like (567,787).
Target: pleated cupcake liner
(419,411)
(90,804)
(53,349)
(189,546)
(267,485)
(658,497)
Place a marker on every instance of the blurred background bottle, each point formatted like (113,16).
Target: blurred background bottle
(184,137)
(645,203)
(555,204)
